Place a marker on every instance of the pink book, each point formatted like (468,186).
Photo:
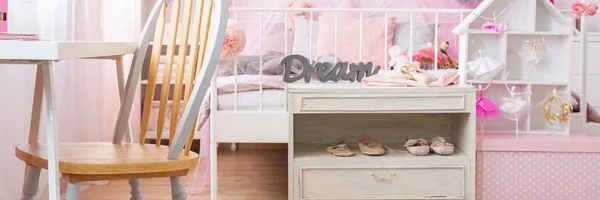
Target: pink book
(3,15)
(18,36)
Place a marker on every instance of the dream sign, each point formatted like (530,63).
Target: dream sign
(325,71)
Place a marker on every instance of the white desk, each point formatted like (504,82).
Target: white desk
(44,54)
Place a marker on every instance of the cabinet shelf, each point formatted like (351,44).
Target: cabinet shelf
(317,153)
(540,33)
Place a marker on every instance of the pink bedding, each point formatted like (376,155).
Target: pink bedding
(225,85)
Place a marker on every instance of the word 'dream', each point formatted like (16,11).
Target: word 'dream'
(326,72)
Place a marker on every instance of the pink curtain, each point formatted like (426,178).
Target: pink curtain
(86,91)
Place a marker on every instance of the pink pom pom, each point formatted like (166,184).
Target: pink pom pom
(427,55)
(235,40)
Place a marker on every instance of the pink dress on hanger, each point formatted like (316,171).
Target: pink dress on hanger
(486,108)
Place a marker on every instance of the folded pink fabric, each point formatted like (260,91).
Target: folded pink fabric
(442,81)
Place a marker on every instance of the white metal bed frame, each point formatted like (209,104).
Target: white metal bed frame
(272,126)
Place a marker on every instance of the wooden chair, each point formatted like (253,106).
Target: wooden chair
(111,161)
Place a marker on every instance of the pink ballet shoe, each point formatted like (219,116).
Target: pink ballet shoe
(441,147)
(417,147)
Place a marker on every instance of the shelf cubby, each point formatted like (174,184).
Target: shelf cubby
(550,68)
(522,8)
(492,45)
(501,123)
(539,124)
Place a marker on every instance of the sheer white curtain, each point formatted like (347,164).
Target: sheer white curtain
(86,91)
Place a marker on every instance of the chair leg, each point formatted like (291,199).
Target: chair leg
(177,189)
(72,191)
(31,182)
(136,190)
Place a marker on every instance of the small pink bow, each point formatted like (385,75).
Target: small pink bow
(581,8)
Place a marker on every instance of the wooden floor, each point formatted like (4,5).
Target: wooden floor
(243,175)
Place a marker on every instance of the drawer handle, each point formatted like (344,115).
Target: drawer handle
(377,178)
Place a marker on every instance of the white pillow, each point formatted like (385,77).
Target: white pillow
(302,37)
(423,33)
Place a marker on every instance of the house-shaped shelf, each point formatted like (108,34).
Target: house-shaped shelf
(527,20)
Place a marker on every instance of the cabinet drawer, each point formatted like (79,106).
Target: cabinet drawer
(382,183)
(358,103)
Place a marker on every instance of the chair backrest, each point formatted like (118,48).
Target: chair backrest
(195,33)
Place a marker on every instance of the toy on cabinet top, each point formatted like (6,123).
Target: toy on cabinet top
(426,55)
(450,63)
(398,56)
(529,38)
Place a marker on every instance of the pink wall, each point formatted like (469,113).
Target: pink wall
(3,9)
(537,176)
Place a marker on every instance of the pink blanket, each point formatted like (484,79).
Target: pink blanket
(225,85)
(446,79)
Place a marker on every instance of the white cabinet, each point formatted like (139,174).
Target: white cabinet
(325,113)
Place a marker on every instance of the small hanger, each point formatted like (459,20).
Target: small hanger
(489,84)
(535,43)
(512,89)
(495,17)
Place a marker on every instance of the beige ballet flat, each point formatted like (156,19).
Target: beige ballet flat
(340,149)
(371,147)
(417,147)
(440,146)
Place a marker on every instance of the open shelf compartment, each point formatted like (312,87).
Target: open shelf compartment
(394,175)
(550,67)
(504,122)
(315,132)
(491,45)
(539,124)
(521,8)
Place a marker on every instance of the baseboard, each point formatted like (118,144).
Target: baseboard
(257,146)
(240,146)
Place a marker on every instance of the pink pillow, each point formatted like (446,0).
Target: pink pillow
(349,42)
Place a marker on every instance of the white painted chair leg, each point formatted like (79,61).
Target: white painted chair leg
(234,147)
(136,190)
(121,85)
(177,188)
(72,191)
(31,183)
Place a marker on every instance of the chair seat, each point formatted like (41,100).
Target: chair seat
(107,158)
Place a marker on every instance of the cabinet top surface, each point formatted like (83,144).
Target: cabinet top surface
(353,87)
